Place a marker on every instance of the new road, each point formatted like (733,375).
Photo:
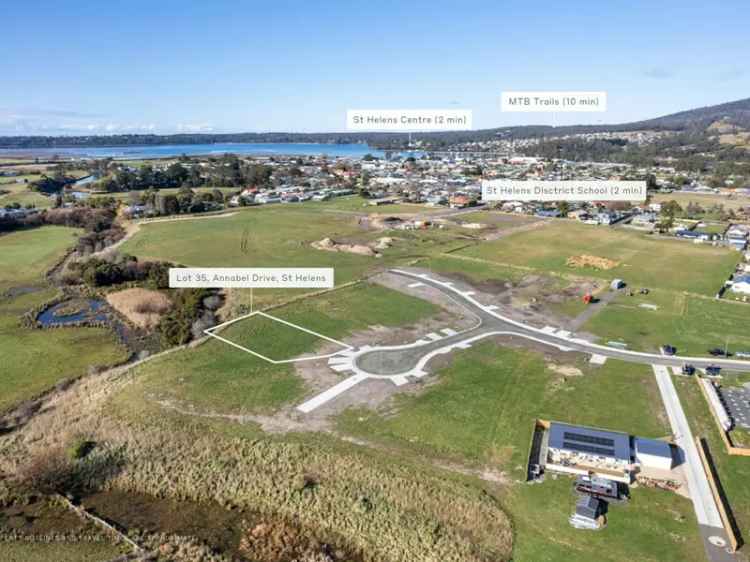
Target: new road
(403,360)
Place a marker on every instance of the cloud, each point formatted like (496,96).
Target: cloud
(195,127)
(732,73)
(658,73)
(41,121)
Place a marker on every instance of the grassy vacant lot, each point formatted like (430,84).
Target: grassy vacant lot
(643,260)
(20,193)
(706,201)
(485,402)
(218,376)
(498,220)
(34,360)
(481,410)
(734,472)
(278,236)
(692,324)
(360,205)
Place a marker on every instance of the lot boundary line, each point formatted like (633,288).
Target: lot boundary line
(209,332)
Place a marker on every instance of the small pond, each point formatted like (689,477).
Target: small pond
(72,312)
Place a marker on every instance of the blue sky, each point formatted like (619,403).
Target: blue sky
(113,67)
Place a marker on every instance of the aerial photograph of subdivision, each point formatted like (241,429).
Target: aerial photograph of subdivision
(287,281)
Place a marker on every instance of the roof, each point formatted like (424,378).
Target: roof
(588,506)
(652,447)
(588,440)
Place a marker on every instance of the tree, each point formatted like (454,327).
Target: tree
(167,204)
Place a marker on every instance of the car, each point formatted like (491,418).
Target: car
(713,370)
(743,354)
(718,352)
(668,349)
(688,369)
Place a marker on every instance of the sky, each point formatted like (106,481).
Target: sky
(162,67)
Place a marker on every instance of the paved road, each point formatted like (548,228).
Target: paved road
(395,360)
(706,510)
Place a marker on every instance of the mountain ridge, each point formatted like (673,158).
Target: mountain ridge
(735,113)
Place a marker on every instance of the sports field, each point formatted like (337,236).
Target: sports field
(641,260)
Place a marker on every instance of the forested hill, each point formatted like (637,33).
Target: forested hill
(694,120)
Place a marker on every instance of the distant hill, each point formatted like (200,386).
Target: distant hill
(735,112)
(693,120)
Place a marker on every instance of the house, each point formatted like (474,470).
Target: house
(741,285)
(644,219)
(548,213)
(583,450)
(460,201)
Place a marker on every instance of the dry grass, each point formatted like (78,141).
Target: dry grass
(142,307)
(591,261)
(425,517)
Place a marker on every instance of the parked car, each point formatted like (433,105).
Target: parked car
(688,369)
(718,352)
(668,349)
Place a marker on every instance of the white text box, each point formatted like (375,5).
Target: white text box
(408,119)
(562,102)
(567,190)
(251,277)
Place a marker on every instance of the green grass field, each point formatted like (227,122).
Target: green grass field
(34,360)
(25,256)
(643,260)
(218,376)
(279,236)
(706,201)
(20,193)
(484,405)
(357,204)
(481,410)
(692,324)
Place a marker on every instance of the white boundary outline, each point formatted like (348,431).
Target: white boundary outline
(210,331)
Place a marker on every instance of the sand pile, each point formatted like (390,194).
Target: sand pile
(330,245)
(373,249)
(591,261)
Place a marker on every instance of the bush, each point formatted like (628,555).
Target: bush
(79,447)
(49,471)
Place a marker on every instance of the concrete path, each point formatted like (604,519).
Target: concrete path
(706,510)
